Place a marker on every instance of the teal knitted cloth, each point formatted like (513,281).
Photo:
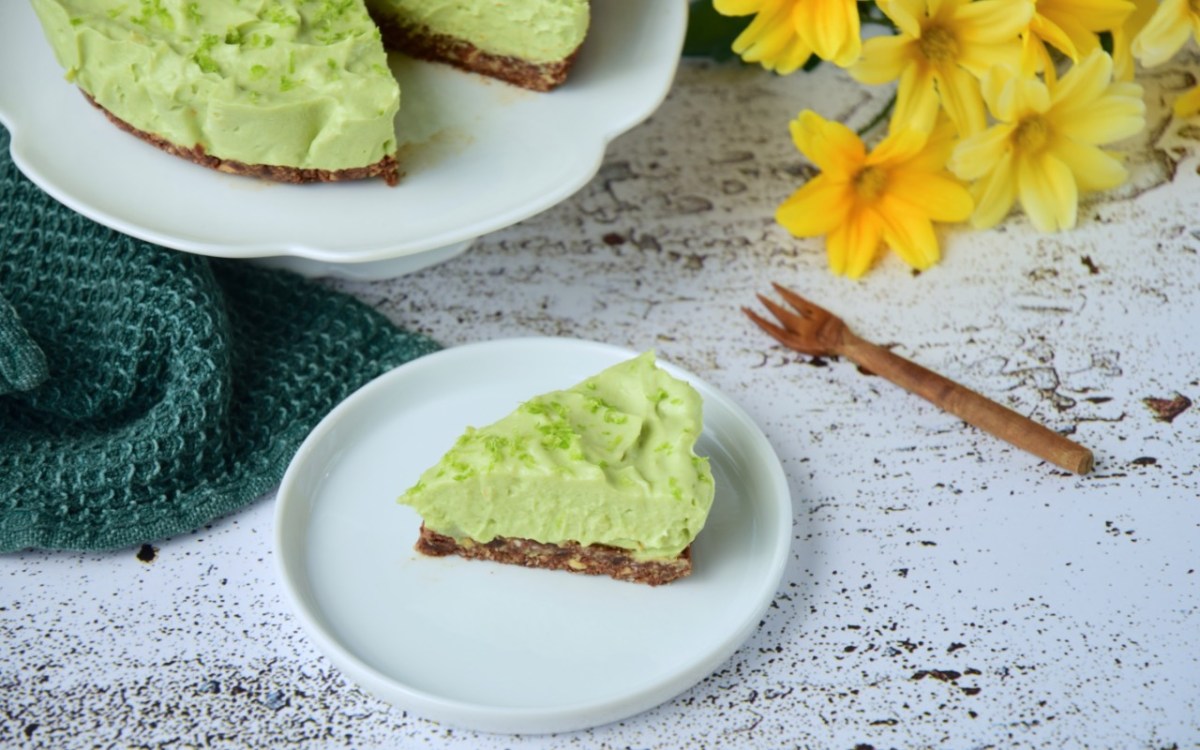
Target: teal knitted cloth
(144,392)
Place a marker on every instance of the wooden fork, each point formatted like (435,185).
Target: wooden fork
(815,331)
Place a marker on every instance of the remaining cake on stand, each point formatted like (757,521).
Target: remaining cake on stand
(291,90)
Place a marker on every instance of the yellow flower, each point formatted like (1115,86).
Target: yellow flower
(862,200)
(942,50)
(1071,27)
(784,33)
(1044,148)
(1168,30)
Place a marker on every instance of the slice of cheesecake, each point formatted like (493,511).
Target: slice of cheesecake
(600,478)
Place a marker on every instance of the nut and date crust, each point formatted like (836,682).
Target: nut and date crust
(386,168)
(593,559)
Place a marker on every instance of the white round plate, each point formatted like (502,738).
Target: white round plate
(478,155)
(501,648)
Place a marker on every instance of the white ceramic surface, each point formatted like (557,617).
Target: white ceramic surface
(502,648)
(478,155)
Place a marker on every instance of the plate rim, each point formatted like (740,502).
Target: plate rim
(365,250)
(526,720)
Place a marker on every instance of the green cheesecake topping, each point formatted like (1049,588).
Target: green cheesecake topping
(609,461)
(539,31)
(301,83)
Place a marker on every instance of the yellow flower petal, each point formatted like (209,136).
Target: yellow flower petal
(993,88)
(831,146)
(755,42)
(1166,32)
(1045,30)
(975,155)
(772,18)
(831,28)
(993,21)
(1188,104)
(884,59)
(1071,27)
(940,198)
(816,208)
(1011,97)
(961,100)
(1089,108)
(1035,58)
(910,236)
(898,147)
(1085,40)
(916,100)
(1105,119)
(939,145)
(980,58)
(1124,35)
(1084,82)
(1048,192)
(1081,19)
(737,7)
(771,41)
(1093,15)
(906,14)
(1092,167)
(793,57)
(853,245)
(995,194)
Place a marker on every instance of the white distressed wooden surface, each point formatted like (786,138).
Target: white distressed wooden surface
(944,590)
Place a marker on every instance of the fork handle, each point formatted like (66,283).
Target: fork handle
(968,405)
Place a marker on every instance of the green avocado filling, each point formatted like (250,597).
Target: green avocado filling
(302,83)
(608,461)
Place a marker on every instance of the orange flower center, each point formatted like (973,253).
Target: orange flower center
(1031,134)
(939,44)
(870,182)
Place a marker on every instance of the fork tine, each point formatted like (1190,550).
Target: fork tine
(780,334)
(791,321)
(805,307)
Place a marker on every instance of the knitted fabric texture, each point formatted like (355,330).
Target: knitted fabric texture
(144,392)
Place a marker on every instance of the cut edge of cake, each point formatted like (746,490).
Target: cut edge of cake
(422,43)
(592,559)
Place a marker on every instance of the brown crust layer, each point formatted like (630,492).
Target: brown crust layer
(386,168)
(594,559)
(421,43)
